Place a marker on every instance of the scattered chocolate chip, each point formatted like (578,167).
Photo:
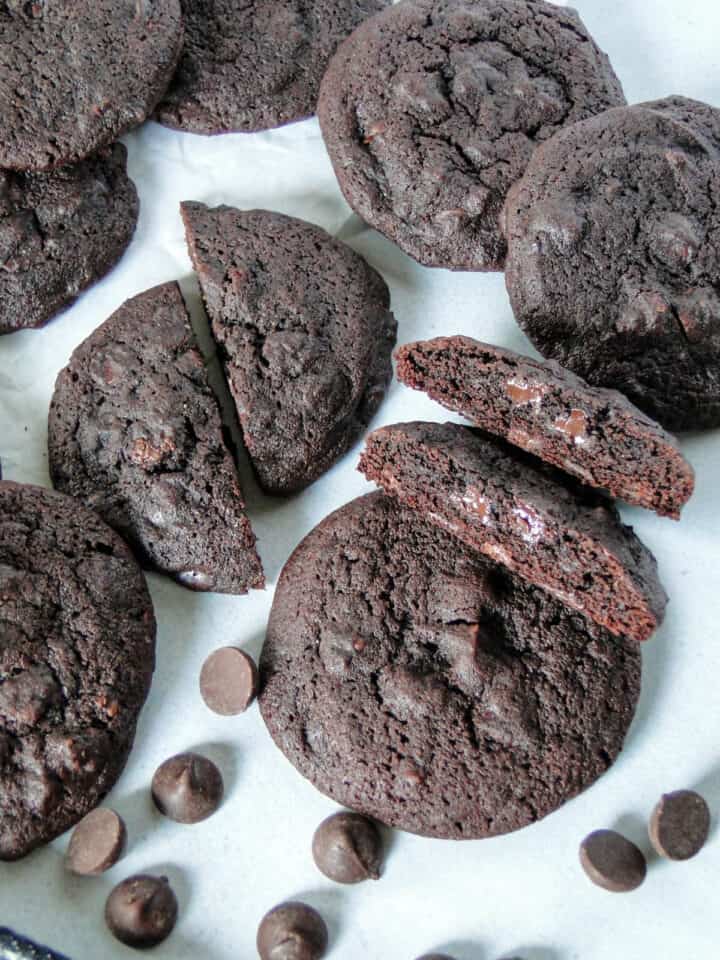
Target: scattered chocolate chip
(680,824)
(97,843)
(141,911)
(292,931)
(612,862)
(347,848)
(228,681)
(187,788)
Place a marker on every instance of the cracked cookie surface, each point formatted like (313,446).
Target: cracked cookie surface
(305,332)
(415,681)
(256,64)
(60,232)
(75,76)
(431,111)
(613,261)
(77,652)
(135,433)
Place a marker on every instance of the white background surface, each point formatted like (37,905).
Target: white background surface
(521,895)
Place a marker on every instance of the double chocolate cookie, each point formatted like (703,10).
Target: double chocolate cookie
(255,65)
(596,435)
(303,326)
(75,76)
(557,535)
(60,232)
(613,262)
(135,433)
(417,682)
(76,659)
(432,109)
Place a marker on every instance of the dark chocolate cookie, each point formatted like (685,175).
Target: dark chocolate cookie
(60,232)
(255,65)
(417,682)
(614,262)
(135,432)
(594,434)
(303,326)
(561,537)
(431,111)
(77,652)
(75,76)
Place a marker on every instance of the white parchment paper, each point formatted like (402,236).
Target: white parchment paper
(521,895)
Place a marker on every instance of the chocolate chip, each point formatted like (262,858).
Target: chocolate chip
(141,911)
(228,681)
(680,824)
(292,931)
(612,862)
(187,788)
(97,843)
(347,848)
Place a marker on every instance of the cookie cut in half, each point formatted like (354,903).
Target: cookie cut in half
(418,682)
(303,326)
(559,536)
(596,435)
(135,433)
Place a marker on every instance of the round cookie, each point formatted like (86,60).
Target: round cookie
(60,232)
(75,76)
(431,111)
(613,260)
(76,660)
(416,682)
(256,65)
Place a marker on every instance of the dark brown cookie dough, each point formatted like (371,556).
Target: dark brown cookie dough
(431,111)
(75,76)
(255,65)
(303,325)
(135,432)
(76,660)
(417,682)
(596,435)
(614,263)
(559,536)
(60,232)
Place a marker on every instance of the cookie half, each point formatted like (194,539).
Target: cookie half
(614,240)
(76,660)
(303,326)
(75,76)
(596,435)
(561,537)
(431,110)
(257,65)
(60,232)
(135,433)
(415,681)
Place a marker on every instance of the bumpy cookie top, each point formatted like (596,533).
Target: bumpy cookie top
(74,76)
(257,64)
(76,659)
(431,111)
(613,261)
(415,681)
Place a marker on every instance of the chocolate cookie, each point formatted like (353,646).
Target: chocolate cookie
(559,536)
(135,432)
(613,266)
(60,232)
(431,111)
(76,660)
(415,681)
(256,65)
(593,434)
(75,76)
(303,326)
